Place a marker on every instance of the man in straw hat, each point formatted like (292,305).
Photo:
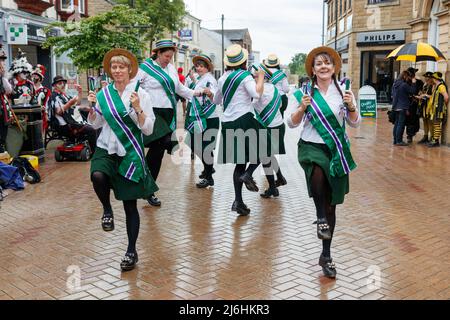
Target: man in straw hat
(324,152)
(124,113)
(438,112)
(160,79)
(5,108)
(279,79)
(237,88)
(202,120)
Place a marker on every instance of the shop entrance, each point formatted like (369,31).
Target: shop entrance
(379,73)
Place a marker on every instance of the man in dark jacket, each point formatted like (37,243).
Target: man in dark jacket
(412,120)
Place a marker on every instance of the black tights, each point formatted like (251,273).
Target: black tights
(102,188)
(271,167)
(155,154)
(321,193)
(238,172)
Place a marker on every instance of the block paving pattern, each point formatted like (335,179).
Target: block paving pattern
(391,239)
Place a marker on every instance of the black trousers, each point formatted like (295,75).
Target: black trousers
(412,121)
(3,134)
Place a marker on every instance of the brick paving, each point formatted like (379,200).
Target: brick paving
(391,238)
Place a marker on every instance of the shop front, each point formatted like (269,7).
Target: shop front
(375,70)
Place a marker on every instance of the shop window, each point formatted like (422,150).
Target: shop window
(66,5)
(82,6)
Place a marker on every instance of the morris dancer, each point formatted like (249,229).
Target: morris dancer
(124,112)
(279,79)
(202,121)
(324,149)
(267,109)
(160,79)
(240,143)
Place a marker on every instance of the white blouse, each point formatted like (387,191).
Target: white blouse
(261,103)
(241,103)
(283,85)
(334,100)
(201,84)
(155,89)
(108,139)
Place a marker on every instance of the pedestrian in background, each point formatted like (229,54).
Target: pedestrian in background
(323,149)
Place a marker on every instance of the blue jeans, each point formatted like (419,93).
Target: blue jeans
(399,126)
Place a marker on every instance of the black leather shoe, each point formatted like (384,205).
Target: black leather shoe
(108,222)
(328,267)
(204,183)
(323,229)
(281,181)
(424,140)
(433,144)
(154,201)
(129,261)
(203,174)
(270,193)
(240,208)
(409,140)
(250,184)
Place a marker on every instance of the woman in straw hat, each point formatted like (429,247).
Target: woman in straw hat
(124,112)
(438,108)
(279,79)
(202,121)
(267,110)
(160,79)
(324,150)
(240,143)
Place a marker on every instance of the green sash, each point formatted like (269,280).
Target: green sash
(232,84)
(270,111)
(332,133)
(166,82)
(133,166)
(278,76)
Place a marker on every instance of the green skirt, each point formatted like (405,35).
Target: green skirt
(124,189)
(161,128)
(277,139)
(207,138)
(244,140)
(310,154)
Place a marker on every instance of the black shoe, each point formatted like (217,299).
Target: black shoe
(129,261)
(328,267)
(323,229)
(108,222)
(270,193)
(240,208)
(410,140)
(154,201)
(401,144)
(203,174)
(434,144)
(250,184)
(204,183)
(281,181)
(424,140)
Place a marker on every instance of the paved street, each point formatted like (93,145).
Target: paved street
(391,239)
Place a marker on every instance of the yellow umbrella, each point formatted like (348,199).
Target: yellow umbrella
(416,52)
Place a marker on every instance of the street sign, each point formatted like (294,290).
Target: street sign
(367,102)
(185,35)
(17,33)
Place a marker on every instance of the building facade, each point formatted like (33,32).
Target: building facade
(364,32)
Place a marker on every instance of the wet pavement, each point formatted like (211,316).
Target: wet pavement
(391,239)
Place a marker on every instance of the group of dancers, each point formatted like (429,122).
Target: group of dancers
(138,110)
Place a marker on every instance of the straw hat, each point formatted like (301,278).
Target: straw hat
(120,52)
(206,59)
(272,61)
(164,43)
(235,55)
(309,64)
(437,76)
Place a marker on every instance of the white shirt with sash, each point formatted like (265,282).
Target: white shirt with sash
(283,85)
(201,84)
(108,139)
(154,88)
(260,104)
(241,103)
(334,100)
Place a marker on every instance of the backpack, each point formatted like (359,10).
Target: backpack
(26,170)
